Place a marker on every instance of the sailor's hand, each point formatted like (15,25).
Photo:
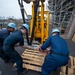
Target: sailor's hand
(37,49)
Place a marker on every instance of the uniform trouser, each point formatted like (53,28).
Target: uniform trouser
(13,54)
(52,62)
(3,55)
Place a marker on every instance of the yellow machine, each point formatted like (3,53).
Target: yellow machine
(39,23)
(42,23)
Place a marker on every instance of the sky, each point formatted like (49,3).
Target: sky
(11,8)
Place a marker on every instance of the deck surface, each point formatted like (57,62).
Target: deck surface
(6,69)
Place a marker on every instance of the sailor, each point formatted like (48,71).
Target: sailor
(11,41)
(3,34)
(59,54)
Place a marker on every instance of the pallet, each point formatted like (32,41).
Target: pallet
(33,59)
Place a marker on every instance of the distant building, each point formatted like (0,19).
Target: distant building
(18,22)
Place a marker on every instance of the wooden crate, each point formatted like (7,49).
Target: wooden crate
(73,39)
(33,59)
(71,70)
(73,64)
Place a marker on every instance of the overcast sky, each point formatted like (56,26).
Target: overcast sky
(11,8)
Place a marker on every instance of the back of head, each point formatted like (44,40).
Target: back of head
(55,31)
(12,25)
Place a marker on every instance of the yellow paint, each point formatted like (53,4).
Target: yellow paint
(42,23)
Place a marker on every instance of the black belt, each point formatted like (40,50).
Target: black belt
(59,54)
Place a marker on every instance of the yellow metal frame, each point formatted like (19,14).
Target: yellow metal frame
(42,23)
